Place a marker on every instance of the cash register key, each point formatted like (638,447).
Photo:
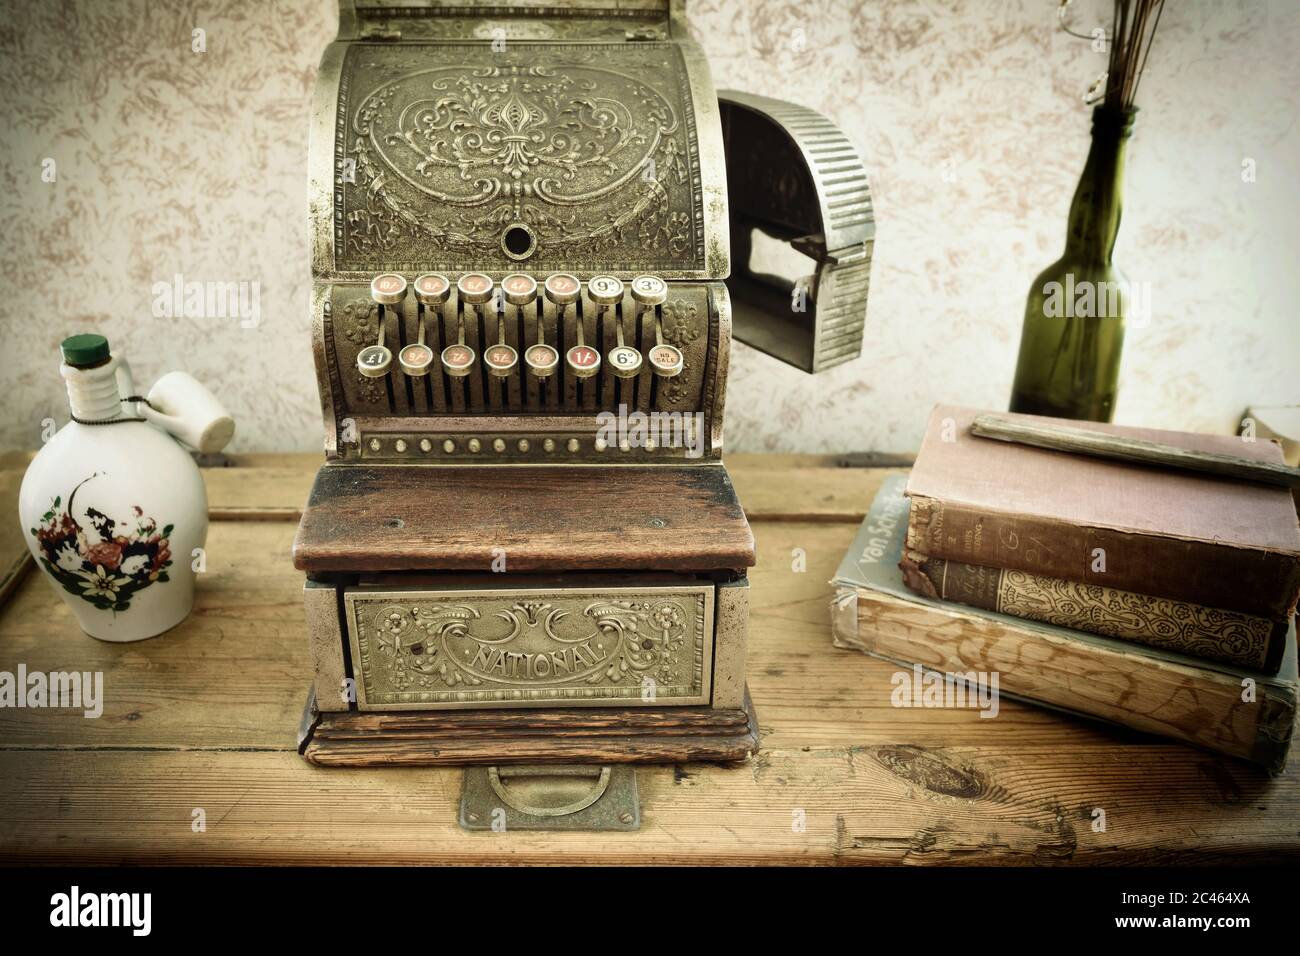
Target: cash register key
(562,288)
(542,360)
(519,289)
(457,360)
(666,361)
(373,361)
(649,290)
(431,289)
(501,360)
(625,361)
(584,361)
(475,288)
(388,289)
(605,290)
(415,359)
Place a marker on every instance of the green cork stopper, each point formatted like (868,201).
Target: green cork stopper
(85,350)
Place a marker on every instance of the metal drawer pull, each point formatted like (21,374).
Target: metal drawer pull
(539,789)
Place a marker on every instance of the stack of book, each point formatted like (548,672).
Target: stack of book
(1154,597)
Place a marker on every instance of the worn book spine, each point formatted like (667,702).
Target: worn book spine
(1232,637)
(1255,582)
(1081,674)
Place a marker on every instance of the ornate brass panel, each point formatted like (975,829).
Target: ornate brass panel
(426,649)
(589,147)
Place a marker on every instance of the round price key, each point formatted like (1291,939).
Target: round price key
(475,288)
(666,361)
(500,360)
(562,288)
(415,359)
(388,289)
(542,360)
(432,288)
(457,360)
(583,360)
(625,361)
(373,361)
(519,289)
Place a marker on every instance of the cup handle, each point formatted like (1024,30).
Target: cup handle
(125,382)
(215,434)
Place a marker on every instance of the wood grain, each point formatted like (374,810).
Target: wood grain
(207,716)
(895,803)
(235,673)
(557,518)
(1107,679)
(459,738)
(267,487)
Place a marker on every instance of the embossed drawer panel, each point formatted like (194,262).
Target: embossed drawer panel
(431,649)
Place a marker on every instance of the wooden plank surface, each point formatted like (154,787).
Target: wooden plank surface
(771,487)
(206,716)
(365,517)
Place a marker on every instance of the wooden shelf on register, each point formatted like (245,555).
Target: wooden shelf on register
(363,517)
(207,716)
(499,737)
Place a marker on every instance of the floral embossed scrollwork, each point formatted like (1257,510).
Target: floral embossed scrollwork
(431,645)
(1187,628)
(650,637)
(412,644)
(589,157)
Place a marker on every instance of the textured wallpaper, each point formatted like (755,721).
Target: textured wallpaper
(127,159)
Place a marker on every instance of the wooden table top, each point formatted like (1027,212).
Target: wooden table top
(205,717)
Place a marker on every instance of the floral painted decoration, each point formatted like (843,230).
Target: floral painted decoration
(101,565)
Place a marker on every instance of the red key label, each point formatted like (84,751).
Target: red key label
(583,356)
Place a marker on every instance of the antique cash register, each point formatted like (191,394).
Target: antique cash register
(523,550)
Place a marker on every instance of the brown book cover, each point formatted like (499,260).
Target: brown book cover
(1207,540)
(1211,633)
(1225,708)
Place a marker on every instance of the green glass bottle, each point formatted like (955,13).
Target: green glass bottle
(1074,320)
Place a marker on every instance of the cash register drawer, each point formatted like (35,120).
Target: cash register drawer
(431,648)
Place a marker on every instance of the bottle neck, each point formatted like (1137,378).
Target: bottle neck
(93,393)
(1096,207)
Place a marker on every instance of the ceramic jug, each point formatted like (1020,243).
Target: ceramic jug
(113,509)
